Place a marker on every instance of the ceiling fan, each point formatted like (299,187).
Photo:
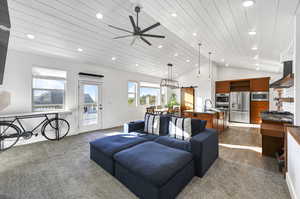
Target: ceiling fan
(137,31)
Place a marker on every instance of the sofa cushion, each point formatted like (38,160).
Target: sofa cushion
(174,143)
(113,144)
(152,123)
(180,128)
(154,162)
(164,125)
(198,126)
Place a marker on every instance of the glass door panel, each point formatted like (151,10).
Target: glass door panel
(90,105)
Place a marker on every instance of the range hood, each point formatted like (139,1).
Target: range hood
(4,35)
(287,80)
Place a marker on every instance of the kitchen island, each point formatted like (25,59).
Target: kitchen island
(215,119)
(273,131)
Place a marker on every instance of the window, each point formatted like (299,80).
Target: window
(48,89)
(149,94)
(132,90)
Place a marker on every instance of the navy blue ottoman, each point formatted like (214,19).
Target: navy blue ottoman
(103,149)
(154,171)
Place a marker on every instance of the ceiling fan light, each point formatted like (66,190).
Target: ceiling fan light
(248,3)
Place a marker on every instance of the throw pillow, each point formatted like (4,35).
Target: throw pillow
(180,128)
(152,123)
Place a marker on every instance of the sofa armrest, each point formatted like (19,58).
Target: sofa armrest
(205,148)
(134,126)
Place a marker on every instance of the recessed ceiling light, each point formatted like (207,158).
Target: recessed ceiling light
(222,60)
(79,49)
(99,15)
(226,65)
(176,54)
(160,46)
(187,60)
(30,36)
(255,57)
(254,48)
(256,64)
(194,34)
(113,58)
(174,14)
(252,33)
(248,3)
(136,64)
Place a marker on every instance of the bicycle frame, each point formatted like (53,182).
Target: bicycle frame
(19,118)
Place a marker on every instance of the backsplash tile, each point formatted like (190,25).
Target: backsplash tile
(289,92)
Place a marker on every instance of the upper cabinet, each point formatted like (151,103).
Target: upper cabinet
(222,87)
(260,84)
(252,85)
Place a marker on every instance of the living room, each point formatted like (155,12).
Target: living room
(89,86)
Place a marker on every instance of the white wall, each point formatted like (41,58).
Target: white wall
(292,176)
(205,86)
(225,73)
(18,81)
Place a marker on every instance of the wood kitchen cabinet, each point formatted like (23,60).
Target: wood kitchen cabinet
(272,137)
(260,84)
(256,108)
(214,120)
(222,87)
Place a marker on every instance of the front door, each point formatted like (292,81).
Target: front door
(90,105)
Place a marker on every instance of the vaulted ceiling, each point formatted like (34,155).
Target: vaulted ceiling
(62,27)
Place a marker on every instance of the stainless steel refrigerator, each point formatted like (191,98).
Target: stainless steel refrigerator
(240,107)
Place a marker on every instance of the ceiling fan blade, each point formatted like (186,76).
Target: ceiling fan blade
(133,40)
(148,35)
(119,37)
(146,41)
(121,29)
(133,24)
(150,27)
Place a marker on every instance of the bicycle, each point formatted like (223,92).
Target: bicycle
(52,129)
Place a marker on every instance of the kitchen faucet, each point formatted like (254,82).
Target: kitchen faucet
(205,104)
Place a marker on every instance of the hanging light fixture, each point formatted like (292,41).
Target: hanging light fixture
(199,57)
(209,65)
(169,82)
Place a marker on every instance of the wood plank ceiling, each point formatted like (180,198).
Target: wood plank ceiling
(61,27)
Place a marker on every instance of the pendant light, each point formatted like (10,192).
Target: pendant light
(199,57)
(209,65)
(169,82)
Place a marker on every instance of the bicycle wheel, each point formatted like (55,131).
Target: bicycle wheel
(50,128)
(9,135)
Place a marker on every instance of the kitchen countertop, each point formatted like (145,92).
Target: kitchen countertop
(212,112)
(295,132)
(276,116)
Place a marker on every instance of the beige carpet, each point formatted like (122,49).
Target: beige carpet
(63,170)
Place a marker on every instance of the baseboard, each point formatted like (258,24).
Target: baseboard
(290,186)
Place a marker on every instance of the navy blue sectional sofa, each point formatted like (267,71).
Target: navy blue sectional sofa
(153,166)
